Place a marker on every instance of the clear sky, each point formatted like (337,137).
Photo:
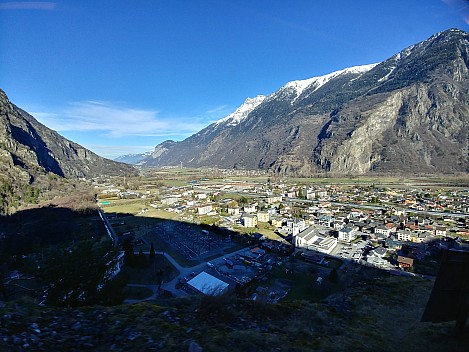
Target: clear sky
(120,77)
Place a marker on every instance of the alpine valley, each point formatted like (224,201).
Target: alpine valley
(408,114)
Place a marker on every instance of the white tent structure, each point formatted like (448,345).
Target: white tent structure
(208,284)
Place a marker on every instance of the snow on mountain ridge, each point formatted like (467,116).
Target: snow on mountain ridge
(299,86)
(241,112)
(296,87)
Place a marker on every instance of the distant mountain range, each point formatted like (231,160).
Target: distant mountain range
(407,114)
(28,148)
(133,159)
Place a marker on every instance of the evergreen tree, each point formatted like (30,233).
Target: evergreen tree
(300,194)
(129,256)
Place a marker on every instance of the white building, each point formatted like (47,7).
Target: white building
(311,239)
(295,226)
(326,220)
(383,230)
(204,209)
(274,199)
(249,221)
(322,193)
(208,285)
(347,234)
(263,216)
(251,208)
(404,235)
(169,200)
(233,211)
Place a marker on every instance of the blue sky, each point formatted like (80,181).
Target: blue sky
(120,77)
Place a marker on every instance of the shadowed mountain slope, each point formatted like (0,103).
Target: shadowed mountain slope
(27,147)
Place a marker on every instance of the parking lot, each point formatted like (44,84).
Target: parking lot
(353,252)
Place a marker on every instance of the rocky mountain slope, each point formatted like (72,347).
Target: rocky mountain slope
(407,114)
(27,148)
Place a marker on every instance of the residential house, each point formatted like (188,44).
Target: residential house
(322,193)
(405,262)
(250,208)
(347,234)
(379,252)
(391,226)
(204,209)
(169,200)
(378,261)
(274,199)
(404,235)
(421,237)
(263,216)
(257,252)
(383,230)
(201,196)
(326,221)
(258,236)
(440,231)
(310,194)
(337,225)
(233,211)
(392,243)
(276,222)
(295,226)
(249,220)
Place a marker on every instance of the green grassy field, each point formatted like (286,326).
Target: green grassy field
(265,230)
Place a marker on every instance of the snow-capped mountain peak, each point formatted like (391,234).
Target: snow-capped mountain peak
(297,87)
(242,112)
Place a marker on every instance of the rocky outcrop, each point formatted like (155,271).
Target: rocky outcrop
(27,147)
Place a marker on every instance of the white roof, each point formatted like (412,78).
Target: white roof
(208,284)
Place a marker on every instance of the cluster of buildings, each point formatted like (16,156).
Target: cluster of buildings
(327,219)
(386,239)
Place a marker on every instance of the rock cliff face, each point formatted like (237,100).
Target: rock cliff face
(28,147)
(406,114)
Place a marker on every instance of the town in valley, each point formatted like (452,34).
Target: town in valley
(270,237)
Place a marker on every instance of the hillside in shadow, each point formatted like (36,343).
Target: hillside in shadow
(364,305)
